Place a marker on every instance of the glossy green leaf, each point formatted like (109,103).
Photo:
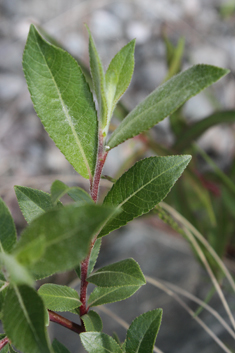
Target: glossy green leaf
(97,342)
(98,78)
(7,226)
(32,202)
(143,331)
(59,347)
(23,320)
(59,189)
(142,187)
(63,101)
(125,272)
(102,295)
(67,233)
(94,255)
(92,322)
(194,131)
(118,77)
(59,298)
(16,272)
(165,100)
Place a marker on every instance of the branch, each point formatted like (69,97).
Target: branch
(3,342)
(54,317)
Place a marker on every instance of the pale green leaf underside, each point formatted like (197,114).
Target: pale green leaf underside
(102,295)
(67,233)
(59,347)
(142,187)
(23,320)
(59,189)
(59,298)
(97,342)
(7,226)
(125,272)
(32,202)
(98,78)
(63,101)
(92,322)
(165,100)
(142,332)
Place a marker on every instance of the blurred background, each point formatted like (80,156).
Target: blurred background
(170,35)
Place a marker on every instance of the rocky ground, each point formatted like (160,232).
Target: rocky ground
(28,157)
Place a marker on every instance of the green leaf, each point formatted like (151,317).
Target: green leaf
(165,100)
(125,272)
(16,272)
(118,77)
(63,101)
(3,290)
(67,232)
(59,189)
(59,298)
(194,131)
(23,320)
(59,347)
(97,342)
(11,350)
(98,78)
(142,187)
(94,255)
(143,331)
(92,322)
(8,231)
(32,202)
(102,295)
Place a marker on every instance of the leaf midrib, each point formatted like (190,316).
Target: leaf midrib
(67,116)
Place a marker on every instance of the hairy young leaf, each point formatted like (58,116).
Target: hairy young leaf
(94,255)
(67,233)
(118,77)
(16,272)
(97,342)
(59,347)
(59,298)
(92,322)
(102,295)
(98,78)
(142,187)
(125,272)
(63,101)
(59,189)
(165,100)
(32,202)
(143,331)
(7,226)
(23,320)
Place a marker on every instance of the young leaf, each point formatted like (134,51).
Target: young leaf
(3,290)
(165,100)
(143,331)
(59,298)
(98,78)
(92,322)
(59,189)
(102,295)
(97,342)
(142,187)
(63,101)
(59,347)
(125,272)
(8,231)
(23,320)
(32,202)
(67,233)
(11,350)
(94,255)
(16,272)
(118,77)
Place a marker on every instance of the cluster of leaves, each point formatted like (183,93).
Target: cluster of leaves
(63,237)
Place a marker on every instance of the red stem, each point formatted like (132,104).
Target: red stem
(3,342)
(54,317)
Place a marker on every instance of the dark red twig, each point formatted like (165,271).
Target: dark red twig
(3,342)
(54,317)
